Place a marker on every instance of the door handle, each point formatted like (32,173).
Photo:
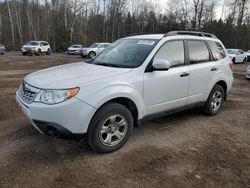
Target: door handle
(184,74)
(214,69)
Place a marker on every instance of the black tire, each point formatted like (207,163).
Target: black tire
(48,52)
(233,60)
(24,53)
(39,52)
(92,54)
(208,107)
(244,61)
(100,119)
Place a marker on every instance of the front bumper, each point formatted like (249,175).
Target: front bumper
(84,53)
(71,117)
(28,50)
(72,52)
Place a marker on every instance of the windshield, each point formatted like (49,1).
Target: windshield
(75,46)
(33,43)
(231,51)
(128,53)
(94,45)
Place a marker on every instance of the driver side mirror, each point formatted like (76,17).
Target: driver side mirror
(161,65)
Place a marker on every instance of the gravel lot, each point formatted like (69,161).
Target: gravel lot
(186,149)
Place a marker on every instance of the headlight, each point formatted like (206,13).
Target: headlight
(56,96)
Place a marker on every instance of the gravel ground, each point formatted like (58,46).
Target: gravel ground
(186,149)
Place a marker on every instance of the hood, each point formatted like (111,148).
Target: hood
(70,48)
(71,75)
(29,46)
(231,55)
(88,49)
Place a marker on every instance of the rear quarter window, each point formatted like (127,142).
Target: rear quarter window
(217,50)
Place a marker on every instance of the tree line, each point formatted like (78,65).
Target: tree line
(64,22)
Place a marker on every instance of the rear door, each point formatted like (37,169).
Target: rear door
(202,69)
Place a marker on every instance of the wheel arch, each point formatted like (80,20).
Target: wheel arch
(223,84)
(125,101)
(91,51)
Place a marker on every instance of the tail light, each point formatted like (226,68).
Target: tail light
(231,64)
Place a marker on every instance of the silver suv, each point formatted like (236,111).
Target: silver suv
(134,79)
(93,50)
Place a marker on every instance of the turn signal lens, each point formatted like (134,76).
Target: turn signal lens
(72,92)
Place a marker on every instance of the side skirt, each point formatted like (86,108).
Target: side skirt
(169,112)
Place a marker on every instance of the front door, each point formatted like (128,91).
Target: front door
(167,90)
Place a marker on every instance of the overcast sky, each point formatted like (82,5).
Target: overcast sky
(218,10)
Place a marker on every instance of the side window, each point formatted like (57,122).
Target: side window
(217,50)
(241,51)
(45,43)
(173,52)
(198,52)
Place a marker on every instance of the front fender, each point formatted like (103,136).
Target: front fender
(97,97)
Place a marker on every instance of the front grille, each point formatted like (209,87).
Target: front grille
(27,92)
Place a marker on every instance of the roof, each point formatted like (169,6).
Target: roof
(149,36)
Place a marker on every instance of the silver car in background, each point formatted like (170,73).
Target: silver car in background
(2,49)
(74,49)
(94,49)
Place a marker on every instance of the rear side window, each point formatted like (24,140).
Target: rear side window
(217,50)
(173,52)
(198,52)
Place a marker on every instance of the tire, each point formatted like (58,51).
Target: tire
(233,60)
(24,53)
(92,55)
(39,52)
(48,52)
(244,61)
(105,126)
(215,101)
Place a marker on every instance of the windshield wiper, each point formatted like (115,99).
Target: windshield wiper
(105,64)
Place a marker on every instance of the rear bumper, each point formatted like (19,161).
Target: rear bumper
(69,118)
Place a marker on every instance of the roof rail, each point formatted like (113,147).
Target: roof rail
(194,33)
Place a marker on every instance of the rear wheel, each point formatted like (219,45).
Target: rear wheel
(110,128)
(215,100)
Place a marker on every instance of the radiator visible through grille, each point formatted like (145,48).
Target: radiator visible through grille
(27,92)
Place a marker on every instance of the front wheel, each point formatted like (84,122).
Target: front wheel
(215,100)
(48,52)
(110,128)
(92,55)
(244,61)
